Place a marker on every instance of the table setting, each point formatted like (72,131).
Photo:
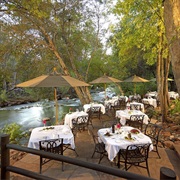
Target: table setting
(121,138)
(73,115)
(94,104)
(151,101)
(111,101)
(125,114)
(51,132)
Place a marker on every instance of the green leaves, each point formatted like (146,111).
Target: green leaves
(15,132)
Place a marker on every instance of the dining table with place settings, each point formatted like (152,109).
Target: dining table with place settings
(86,107)
(173,94)
(151,101)
(111,101)
(73,115)
(125,114)
(121,138)
(51,132)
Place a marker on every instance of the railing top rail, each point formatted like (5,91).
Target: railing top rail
(98,167)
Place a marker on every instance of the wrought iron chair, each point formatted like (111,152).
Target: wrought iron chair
(153,131)
(119,104)
(136,121)
(134,155)
(52,146)
(80,123)
(108,109)
(135,107)
(99,147)
(68,146)
(95,112)
(116,105)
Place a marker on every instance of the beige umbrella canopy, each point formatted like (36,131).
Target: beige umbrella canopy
(104,80)
(135,79)
(53,80)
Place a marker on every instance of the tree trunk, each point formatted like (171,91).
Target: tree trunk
(162,76)
(172,27)
(82,92)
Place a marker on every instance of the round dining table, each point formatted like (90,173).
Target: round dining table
(118,140)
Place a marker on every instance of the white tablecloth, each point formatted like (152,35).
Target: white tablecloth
(152,94)
(125,114)
(60,131)
(173,95)
(69,117)
(111,101)
(87,106)
(117,141)
(151,101)
(141,104)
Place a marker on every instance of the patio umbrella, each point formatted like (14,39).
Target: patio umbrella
(104,80)
(135,79)
(53,80)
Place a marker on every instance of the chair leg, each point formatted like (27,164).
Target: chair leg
(101,157)
(75,152)
(118,163)
(147,168)
(93,154)
(158,152)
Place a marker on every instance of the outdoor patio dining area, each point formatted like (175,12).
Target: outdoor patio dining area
(84,146)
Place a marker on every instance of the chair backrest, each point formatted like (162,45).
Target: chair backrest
(95,109)
(137,153)
(122,103)
(52,145)
(117,103)
(150,112)
(153,131)
(135,107)
(81,120)
(136,121)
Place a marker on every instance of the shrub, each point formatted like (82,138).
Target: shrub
(15,132)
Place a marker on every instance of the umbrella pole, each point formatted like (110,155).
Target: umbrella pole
(56,104)
(105,89)
(134,88)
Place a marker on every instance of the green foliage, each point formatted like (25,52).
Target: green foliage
(136,36)
(15,132)
(175,107)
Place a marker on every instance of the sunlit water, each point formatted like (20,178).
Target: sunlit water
(31,115)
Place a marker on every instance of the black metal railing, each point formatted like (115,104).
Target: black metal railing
(6,168)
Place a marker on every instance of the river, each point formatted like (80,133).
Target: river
(30,115)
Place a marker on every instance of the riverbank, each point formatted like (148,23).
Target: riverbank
(16,101)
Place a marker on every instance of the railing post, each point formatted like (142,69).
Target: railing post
(166,173)
(5,157)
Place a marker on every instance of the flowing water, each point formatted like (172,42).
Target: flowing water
(31,115)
